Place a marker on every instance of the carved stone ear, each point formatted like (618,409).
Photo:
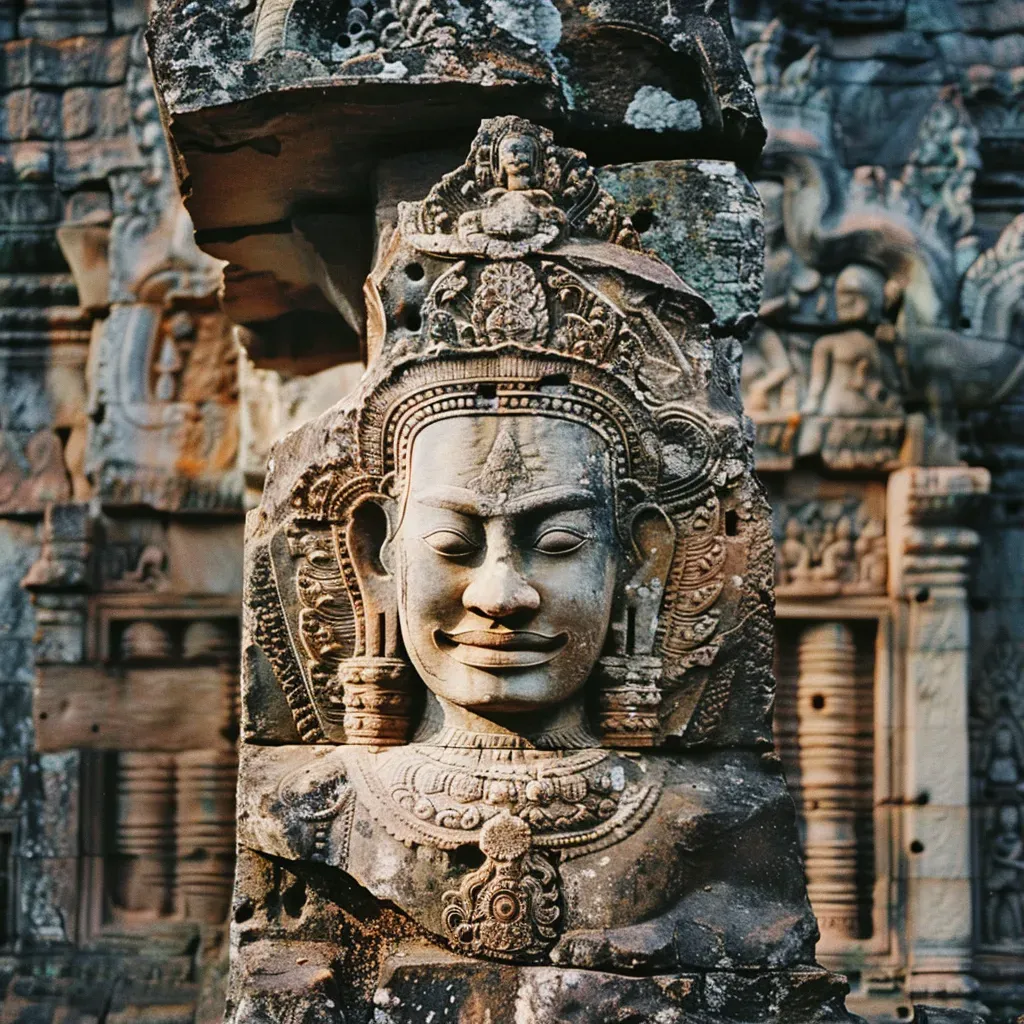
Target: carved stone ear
(368,531)
(654,539)
(378,682)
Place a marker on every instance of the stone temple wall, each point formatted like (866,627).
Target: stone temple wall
(884,379)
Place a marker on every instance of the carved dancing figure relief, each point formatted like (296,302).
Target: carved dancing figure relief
(997,705)
(872,556)
(773,380)
(794,553)
(1004,878)
(1004,763)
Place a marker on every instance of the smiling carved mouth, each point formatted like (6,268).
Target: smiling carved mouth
(500,648)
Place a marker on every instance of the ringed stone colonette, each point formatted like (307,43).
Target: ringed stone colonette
(516,615)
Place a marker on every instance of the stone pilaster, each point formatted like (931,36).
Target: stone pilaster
(930,549)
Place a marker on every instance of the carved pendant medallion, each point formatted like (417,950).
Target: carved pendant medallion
(509,908)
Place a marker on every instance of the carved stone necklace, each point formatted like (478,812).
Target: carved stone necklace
(525,809)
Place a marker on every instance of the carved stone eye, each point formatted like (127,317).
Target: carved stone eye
(560,541)
(450,543)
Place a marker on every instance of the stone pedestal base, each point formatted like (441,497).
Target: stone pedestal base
(421,983)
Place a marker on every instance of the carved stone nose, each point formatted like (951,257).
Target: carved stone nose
(499,590)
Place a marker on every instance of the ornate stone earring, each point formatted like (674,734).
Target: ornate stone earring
(629,700)
(378,695)
(378,685)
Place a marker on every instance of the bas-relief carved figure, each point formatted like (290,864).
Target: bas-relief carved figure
(999,793)
(877,296)
(829,547)
(529,664)
(1004,878)
(847,370)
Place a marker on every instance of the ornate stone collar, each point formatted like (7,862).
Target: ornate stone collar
(572,738)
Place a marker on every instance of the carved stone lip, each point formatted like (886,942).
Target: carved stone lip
(500,648)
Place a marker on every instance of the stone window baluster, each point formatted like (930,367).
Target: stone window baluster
(145,831)
(206,833)
(835,777)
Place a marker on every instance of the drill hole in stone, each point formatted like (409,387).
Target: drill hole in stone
(916,846)
(643,220)
(243,912)
(732,523)
(468,856)
(922,595)
(294,899)
(413,320)
(818,702)
(414,271)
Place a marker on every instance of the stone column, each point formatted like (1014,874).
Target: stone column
(833,788)
(145,831)
(206,833)
(929,552)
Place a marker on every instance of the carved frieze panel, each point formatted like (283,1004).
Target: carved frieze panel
(876,298)
(827,547)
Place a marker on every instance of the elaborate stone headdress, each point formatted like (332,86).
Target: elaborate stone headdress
(527,293)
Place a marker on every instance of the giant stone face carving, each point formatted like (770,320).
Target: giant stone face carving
(509,639)
(506,560)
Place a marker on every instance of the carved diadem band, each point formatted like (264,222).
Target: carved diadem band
(507,383)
